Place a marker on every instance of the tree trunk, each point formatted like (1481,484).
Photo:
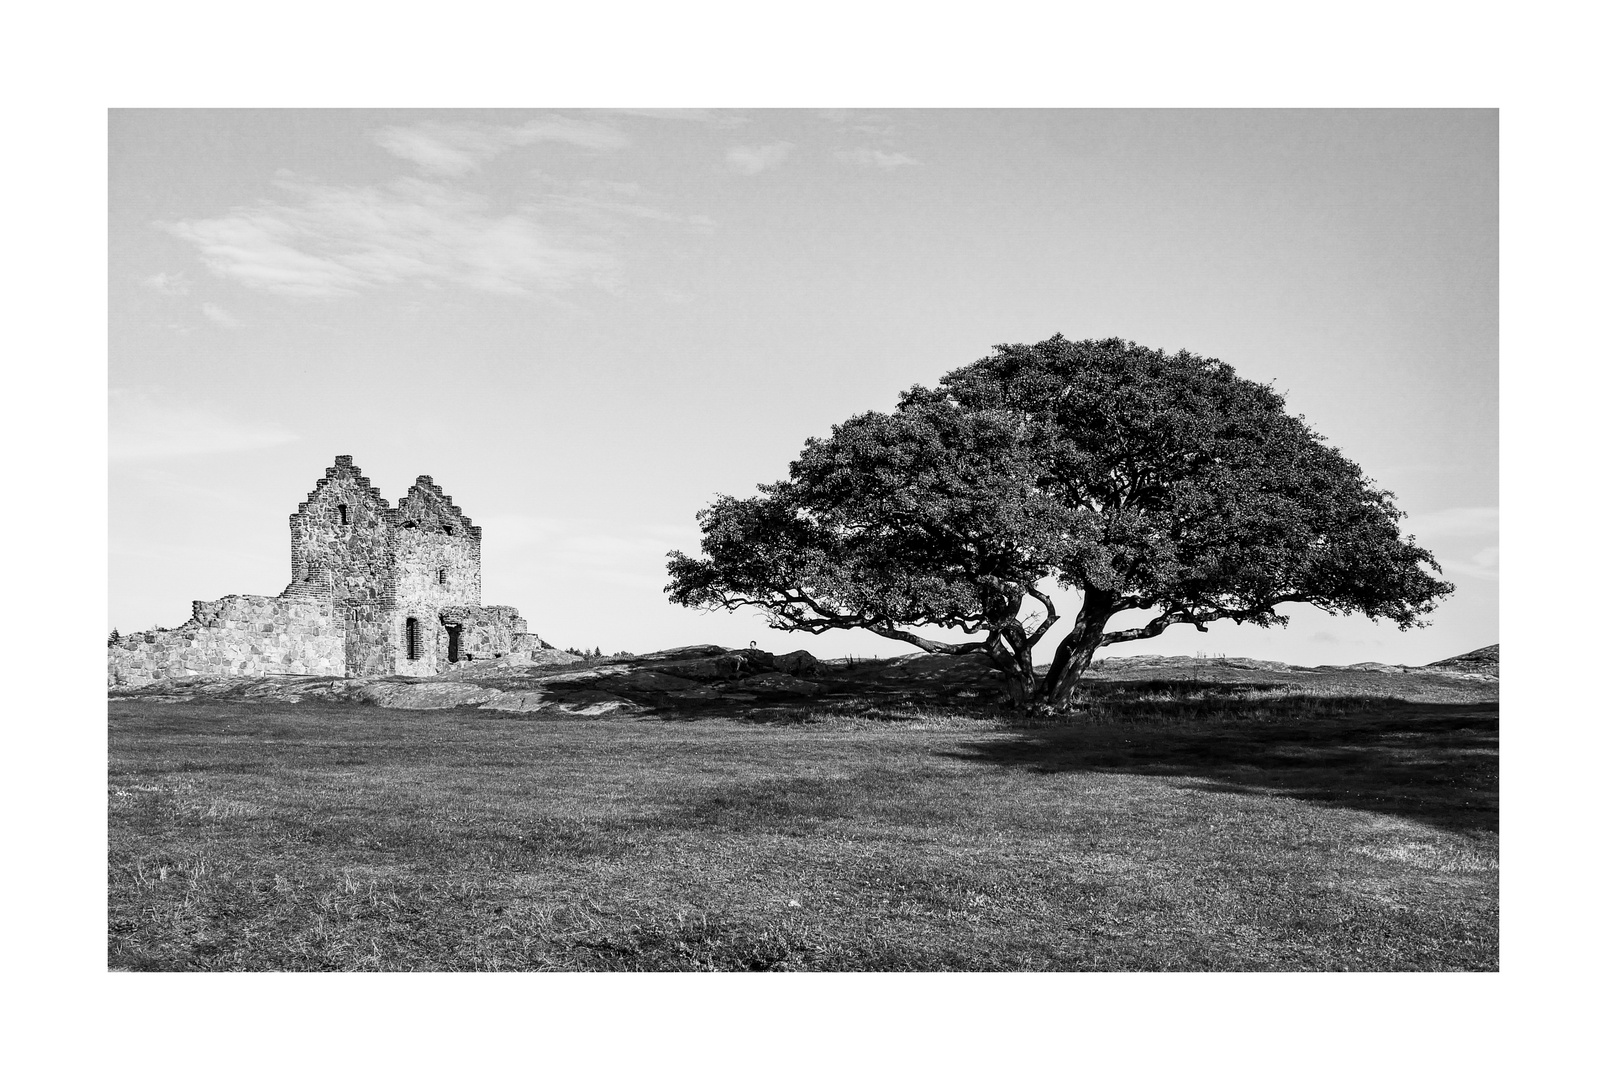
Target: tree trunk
(1076,651)
(1011,654)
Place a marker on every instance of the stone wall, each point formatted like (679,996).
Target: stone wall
(492,633)
(432,641)
(484,633)
(436,550)
(369,646)
(436,569)
(237,635)
(340,538)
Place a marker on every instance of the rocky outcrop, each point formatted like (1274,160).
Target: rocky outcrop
(695,677)
(1485,661)
(710,680)
(1479,664)
(425,694)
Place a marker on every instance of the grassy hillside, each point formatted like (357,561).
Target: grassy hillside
(1234,823)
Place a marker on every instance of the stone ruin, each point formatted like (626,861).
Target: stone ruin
(374,590)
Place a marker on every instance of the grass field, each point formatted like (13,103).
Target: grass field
(1175,826)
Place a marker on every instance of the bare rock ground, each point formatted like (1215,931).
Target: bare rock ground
(704,678)
(1485,662)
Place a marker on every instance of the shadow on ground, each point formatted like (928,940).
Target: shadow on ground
(1430,762)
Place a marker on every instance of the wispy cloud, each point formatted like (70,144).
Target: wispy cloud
(714,117)
(593,550)
(1463,538)
(600,202)
(874,124)
(880,159)
(1455,521)
(169,284)
(144,428)
(324,241)
(455,150)
(220,316)
(1484,564)
(752,160)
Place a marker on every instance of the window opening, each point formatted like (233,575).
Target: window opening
(440,576)
(448,530)
(344,518)
(412,639)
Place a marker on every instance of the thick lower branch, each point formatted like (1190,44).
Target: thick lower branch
(1197,619)
(927,644)
(788,617)
(1154,628)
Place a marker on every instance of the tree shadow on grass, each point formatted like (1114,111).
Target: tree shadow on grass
(1429,762)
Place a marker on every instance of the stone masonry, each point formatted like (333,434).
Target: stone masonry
(374,590)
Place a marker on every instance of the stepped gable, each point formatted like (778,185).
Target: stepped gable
(426,506)
(339,536)
(342,469)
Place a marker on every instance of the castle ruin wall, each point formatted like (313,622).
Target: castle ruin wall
(340,538)
(237,635)
(374,590)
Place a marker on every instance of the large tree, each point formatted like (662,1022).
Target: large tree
(1145,481)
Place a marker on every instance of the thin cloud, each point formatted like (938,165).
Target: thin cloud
(1462,538)
(873,124)
(1456,521)
(599,202)
(1484,564)
(592,550)
(597,205)
(456,150)
(714,117)
(169,284)
(752,160)
(325,242)
(143,428)
(220,316)
(880,159)
(435,153)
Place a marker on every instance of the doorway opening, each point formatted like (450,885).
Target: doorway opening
(453,634)
(413,643)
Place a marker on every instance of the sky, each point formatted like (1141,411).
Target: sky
(586,324)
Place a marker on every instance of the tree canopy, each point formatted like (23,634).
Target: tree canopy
(1143,480)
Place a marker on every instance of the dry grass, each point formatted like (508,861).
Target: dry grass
(1169,827)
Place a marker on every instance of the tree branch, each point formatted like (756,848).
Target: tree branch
(825,619)
(888,630)
(1049,620)
(1153,628)
(1173,616)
